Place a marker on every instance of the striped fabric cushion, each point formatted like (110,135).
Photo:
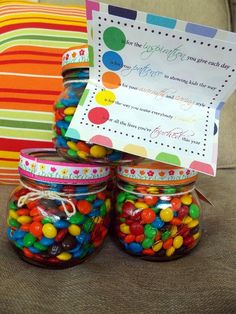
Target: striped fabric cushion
(33,38)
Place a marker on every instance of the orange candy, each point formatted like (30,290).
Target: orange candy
(84,207)
(25,227)
(167,244)
(175,203)
(148,216)
(36,229)
(23,212)
(148,252)
(83,147)
(139,238)
(176,221)
(150,200)
(129,238)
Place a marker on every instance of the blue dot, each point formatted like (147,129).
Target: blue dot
(112,60)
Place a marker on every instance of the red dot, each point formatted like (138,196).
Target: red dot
(98,115)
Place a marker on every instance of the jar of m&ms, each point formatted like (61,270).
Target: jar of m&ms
(157,210)
(75,71)
(59,214)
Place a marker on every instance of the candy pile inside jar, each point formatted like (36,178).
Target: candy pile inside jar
(75,71)
(59,215)
(157,211)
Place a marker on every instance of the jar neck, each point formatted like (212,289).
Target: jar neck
(62,188)
(157,190)
(75,75)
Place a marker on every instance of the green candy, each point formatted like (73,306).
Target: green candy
(91,198)
(40,247)
(77,219)
(165,235)
(122,219)
(169,191)
(18,245)
(46,220)
(156,209)
(13,223)
(131,197)
(103,210)
(72,153)
(29,239)
(59,105)
(63,132)
(194,211)
(129,187)
(119,208)
(88,225)
(12,205)
(68,118)
(149,231)
(121,197)
(147,243)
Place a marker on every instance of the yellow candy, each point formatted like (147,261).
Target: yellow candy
(156,247)
(170,251)
(82,155)
(97,220)
(108,204)
(178,242)
(187,220)
(186,199)
(24,219)
(97,151)
(74,230)
(65,256)
(141,205)
(166,214)
(196,235)
(69,111)
(193,223)
(72,146)
(125,228)
(13,214)
(173,230)
(152,190)
(130,201)
(49,231)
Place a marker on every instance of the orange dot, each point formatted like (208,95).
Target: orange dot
(111,80)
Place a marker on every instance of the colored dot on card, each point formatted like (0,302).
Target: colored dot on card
(114,38)
(101,140)
(98,115)
(111,80)
(105,98)
(112,60)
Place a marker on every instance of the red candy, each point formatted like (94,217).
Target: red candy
(136,228)
(150,200)
(36,229)
(84,207)
(148,216)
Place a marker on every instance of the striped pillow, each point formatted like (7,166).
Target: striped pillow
(33,39)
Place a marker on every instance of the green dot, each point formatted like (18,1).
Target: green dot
(114,38)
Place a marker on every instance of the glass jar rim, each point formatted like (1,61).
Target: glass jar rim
(46,165)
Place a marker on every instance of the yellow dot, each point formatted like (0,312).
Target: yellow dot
(135,149)
(105,98)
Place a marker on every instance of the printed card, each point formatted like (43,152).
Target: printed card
(156,86)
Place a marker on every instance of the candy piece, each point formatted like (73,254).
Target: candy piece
(148,216)
(84,207)
(69,243)
(157,246)
(167,244)
(29,240)
(158,223)
(186,199)
(166,214)
(175,203)
(83,147)
(150,200)
(13,223)
(69,111)
(147,243)
(170,251)
(136,228)
(141,205)
(178,242)
(194,211)
(129,238)
(125,228)
(36,229)
(149,231)
(193,223)
(55,249)
(13,214)
(39,246)
(49,231)
(77,219)
(97,151)
(65,256)
(135,248)
(74,230)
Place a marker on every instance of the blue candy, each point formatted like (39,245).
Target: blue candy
(158,223)
(61,224)
(81,189)
(10,234)
(46,241)
(94,213)
(98,203)
(135,248)
(116,155)
(83,237)
(33,250)
(19,234)
(62,124)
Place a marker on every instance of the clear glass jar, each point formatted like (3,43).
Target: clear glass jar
(59,215)
(157,211)
(75,73)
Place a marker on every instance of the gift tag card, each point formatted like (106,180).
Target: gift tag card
(156,86)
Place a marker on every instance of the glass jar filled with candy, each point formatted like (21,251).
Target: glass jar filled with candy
(157,210)
(59,214)
(75,71)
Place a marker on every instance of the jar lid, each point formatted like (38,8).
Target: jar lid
(75,57)
(155,173)
(46,165)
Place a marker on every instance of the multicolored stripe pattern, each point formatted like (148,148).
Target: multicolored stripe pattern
(33,38)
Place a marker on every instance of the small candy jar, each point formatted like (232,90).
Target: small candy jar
(157,211)
(75,71)
(59,215)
